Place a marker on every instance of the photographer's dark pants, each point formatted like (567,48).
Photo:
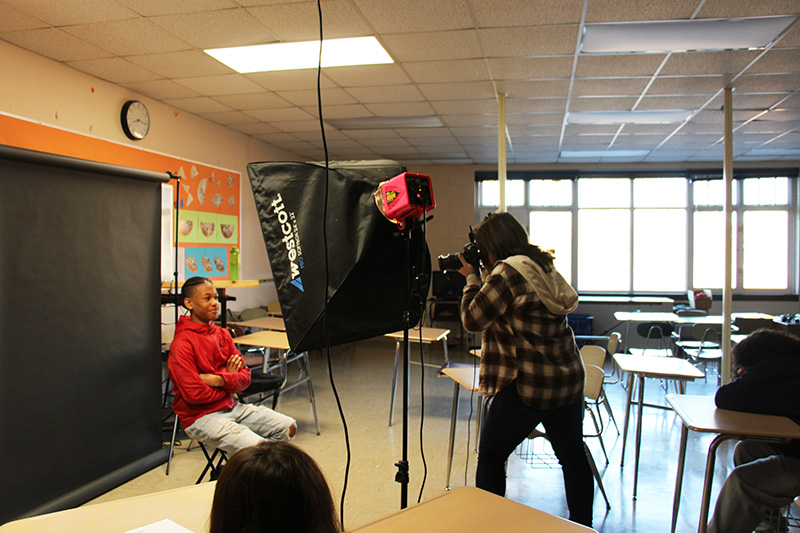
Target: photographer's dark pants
(509,422)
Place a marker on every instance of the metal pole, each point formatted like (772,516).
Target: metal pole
(501,149)
(727,296)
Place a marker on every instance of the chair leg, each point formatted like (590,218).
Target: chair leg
(305,363)
(214,468)
(599,433)
(596,475)
(610,412)
(172,443)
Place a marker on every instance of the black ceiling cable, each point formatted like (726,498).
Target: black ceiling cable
(327,273)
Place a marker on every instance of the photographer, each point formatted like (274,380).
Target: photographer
(529,360)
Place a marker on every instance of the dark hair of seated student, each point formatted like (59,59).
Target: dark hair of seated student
(273,487)
(190,285)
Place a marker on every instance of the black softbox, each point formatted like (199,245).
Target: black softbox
(367,274)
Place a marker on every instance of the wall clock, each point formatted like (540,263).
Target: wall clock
(135,120)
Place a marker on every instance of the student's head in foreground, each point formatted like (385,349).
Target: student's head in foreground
(764,344)
(272,487)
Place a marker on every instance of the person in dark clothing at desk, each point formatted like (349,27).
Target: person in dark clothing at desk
(767,476)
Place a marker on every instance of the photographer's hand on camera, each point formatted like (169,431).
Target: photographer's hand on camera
(466,269)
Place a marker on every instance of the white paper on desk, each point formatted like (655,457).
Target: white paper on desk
(164,526)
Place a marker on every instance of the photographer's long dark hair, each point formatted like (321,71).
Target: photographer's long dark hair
(500,236)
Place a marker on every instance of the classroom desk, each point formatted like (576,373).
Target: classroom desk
(465,509)
(278,340)
(188,507)
(699,413)
(221,285)
(425,336)
(641,366)
(265,322)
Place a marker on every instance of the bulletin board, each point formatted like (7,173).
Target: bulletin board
(209,196)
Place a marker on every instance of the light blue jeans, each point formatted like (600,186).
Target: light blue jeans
(240,427)
(761,482)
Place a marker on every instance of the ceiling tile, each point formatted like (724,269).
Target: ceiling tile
(505,13)
(413,109)
(151,8)
(469,120)
(12,19)
(530,41)
(381,135)
(160,89)
(228,118)
(391,16)
(254,128)
(457,91)
(787,60)
(767,83)
(113,69)
(599,66)
(535,105)
(609,86)
(625,10)
(55,44)
(462,107)
(72,12)
(219,85)
(293,22)
(289,80)
(128,37)
(397,93)
(530,68)
(197,105)
(308,97)
(339,111)
(447,71)
(744,8)
(686,85)
(624,103)
(216,29)
(279,115)
(367,75)
(182,64)
(433,46)
(262,100)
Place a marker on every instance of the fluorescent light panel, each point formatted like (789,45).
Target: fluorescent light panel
(594,154)
(682,35)
(295,56)
(628,117)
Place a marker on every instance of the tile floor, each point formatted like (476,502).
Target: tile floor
(362,375)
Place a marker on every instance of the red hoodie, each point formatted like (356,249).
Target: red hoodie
(202,349)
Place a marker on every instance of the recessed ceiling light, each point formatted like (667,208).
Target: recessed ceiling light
(372,123)
(295,56)
(594,154)
(682,35)
(628,117)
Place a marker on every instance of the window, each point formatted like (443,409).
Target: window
(631,233)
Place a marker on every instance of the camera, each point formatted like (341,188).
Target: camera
(471,255)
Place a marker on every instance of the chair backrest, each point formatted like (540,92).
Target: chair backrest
(654,330)
(593,386)
(252,313)
(274,308)
(707,332)
(593,355)
(614,341)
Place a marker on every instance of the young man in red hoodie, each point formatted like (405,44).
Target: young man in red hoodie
(206,370)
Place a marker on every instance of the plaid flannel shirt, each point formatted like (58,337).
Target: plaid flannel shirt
(522,340)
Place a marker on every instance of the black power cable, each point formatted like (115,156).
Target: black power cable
(327,274)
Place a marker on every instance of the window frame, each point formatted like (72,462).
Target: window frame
(691,176)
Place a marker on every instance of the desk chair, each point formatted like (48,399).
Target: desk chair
(463,375)
(660,332)
(526,449)
(274,309)
(614,342)
(424,335)
(706,348)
